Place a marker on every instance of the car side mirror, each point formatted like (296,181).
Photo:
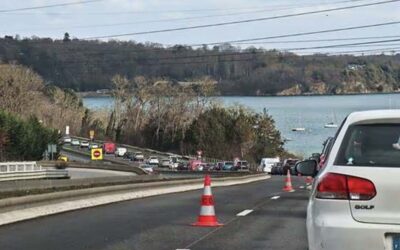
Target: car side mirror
(307,167)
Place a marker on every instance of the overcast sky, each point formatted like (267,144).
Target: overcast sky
(145,15)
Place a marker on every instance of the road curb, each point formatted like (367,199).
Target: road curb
(30,207)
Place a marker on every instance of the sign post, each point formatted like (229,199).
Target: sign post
(51,149)
(91,134)
(199,153)
(66,130)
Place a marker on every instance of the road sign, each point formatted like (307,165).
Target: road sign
(91,134)
(96,154)
(51,149)
(66,130)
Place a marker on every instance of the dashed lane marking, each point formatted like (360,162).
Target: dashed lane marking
(244,212)
(275,197)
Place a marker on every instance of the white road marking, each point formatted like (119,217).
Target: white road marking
(275,197)
(183,249)
(244,212)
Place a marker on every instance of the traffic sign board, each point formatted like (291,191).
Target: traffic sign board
(91,134)
(96,154)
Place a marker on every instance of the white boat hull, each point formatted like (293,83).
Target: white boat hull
(331,126)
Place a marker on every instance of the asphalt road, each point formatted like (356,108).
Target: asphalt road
(163,222)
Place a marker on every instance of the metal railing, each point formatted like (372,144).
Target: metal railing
(10,171)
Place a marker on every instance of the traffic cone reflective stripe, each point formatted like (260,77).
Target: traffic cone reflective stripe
(207,216)
(288,183)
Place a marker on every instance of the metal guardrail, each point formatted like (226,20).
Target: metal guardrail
(10,171)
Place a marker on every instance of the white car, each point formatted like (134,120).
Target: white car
(84,144)
(153,160)
(67,139)
(75,142)
(147,168)
(93,145)
(354,202)
(120,151)
(139,156)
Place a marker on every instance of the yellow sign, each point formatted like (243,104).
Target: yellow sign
(96,154)
(91,134)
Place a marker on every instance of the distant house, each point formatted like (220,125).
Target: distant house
(355,66)
(103,91)
(194,83)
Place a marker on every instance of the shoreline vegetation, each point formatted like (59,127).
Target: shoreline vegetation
(147,112)
(94,94)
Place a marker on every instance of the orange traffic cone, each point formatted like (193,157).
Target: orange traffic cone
(207,216)
(288,183)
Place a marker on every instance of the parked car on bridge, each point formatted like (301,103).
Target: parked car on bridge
(166,163)
(194,165)
(93,145)
(138,156)
(75,142)
(227,165)
(109,147)
(67,140)
(120,151)
(84,144)
(147,167)
(129,156)
(183,166)
(153,160)
(352,204)
(241,165)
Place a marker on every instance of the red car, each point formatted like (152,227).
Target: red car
(109,147)
(194,164)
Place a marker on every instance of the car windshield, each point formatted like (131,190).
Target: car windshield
(236,91)
(371,145)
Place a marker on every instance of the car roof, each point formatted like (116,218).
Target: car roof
(382,114)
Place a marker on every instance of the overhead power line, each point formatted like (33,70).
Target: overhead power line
(300,34)
(343,45)
(271,7)
(175,19)
(319,40)
(244,21)
(71,64)
(223,56)
(49,6)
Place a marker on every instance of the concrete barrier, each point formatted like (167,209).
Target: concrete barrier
(98,165)
(28,186)
(24,208)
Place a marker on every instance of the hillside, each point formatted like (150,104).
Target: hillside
(89,65)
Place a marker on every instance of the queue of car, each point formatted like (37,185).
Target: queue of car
(172,162)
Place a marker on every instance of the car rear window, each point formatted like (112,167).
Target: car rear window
(375,145)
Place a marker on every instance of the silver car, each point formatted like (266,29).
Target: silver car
(355,200)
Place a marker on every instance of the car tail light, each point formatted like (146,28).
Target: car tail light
(344,187)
